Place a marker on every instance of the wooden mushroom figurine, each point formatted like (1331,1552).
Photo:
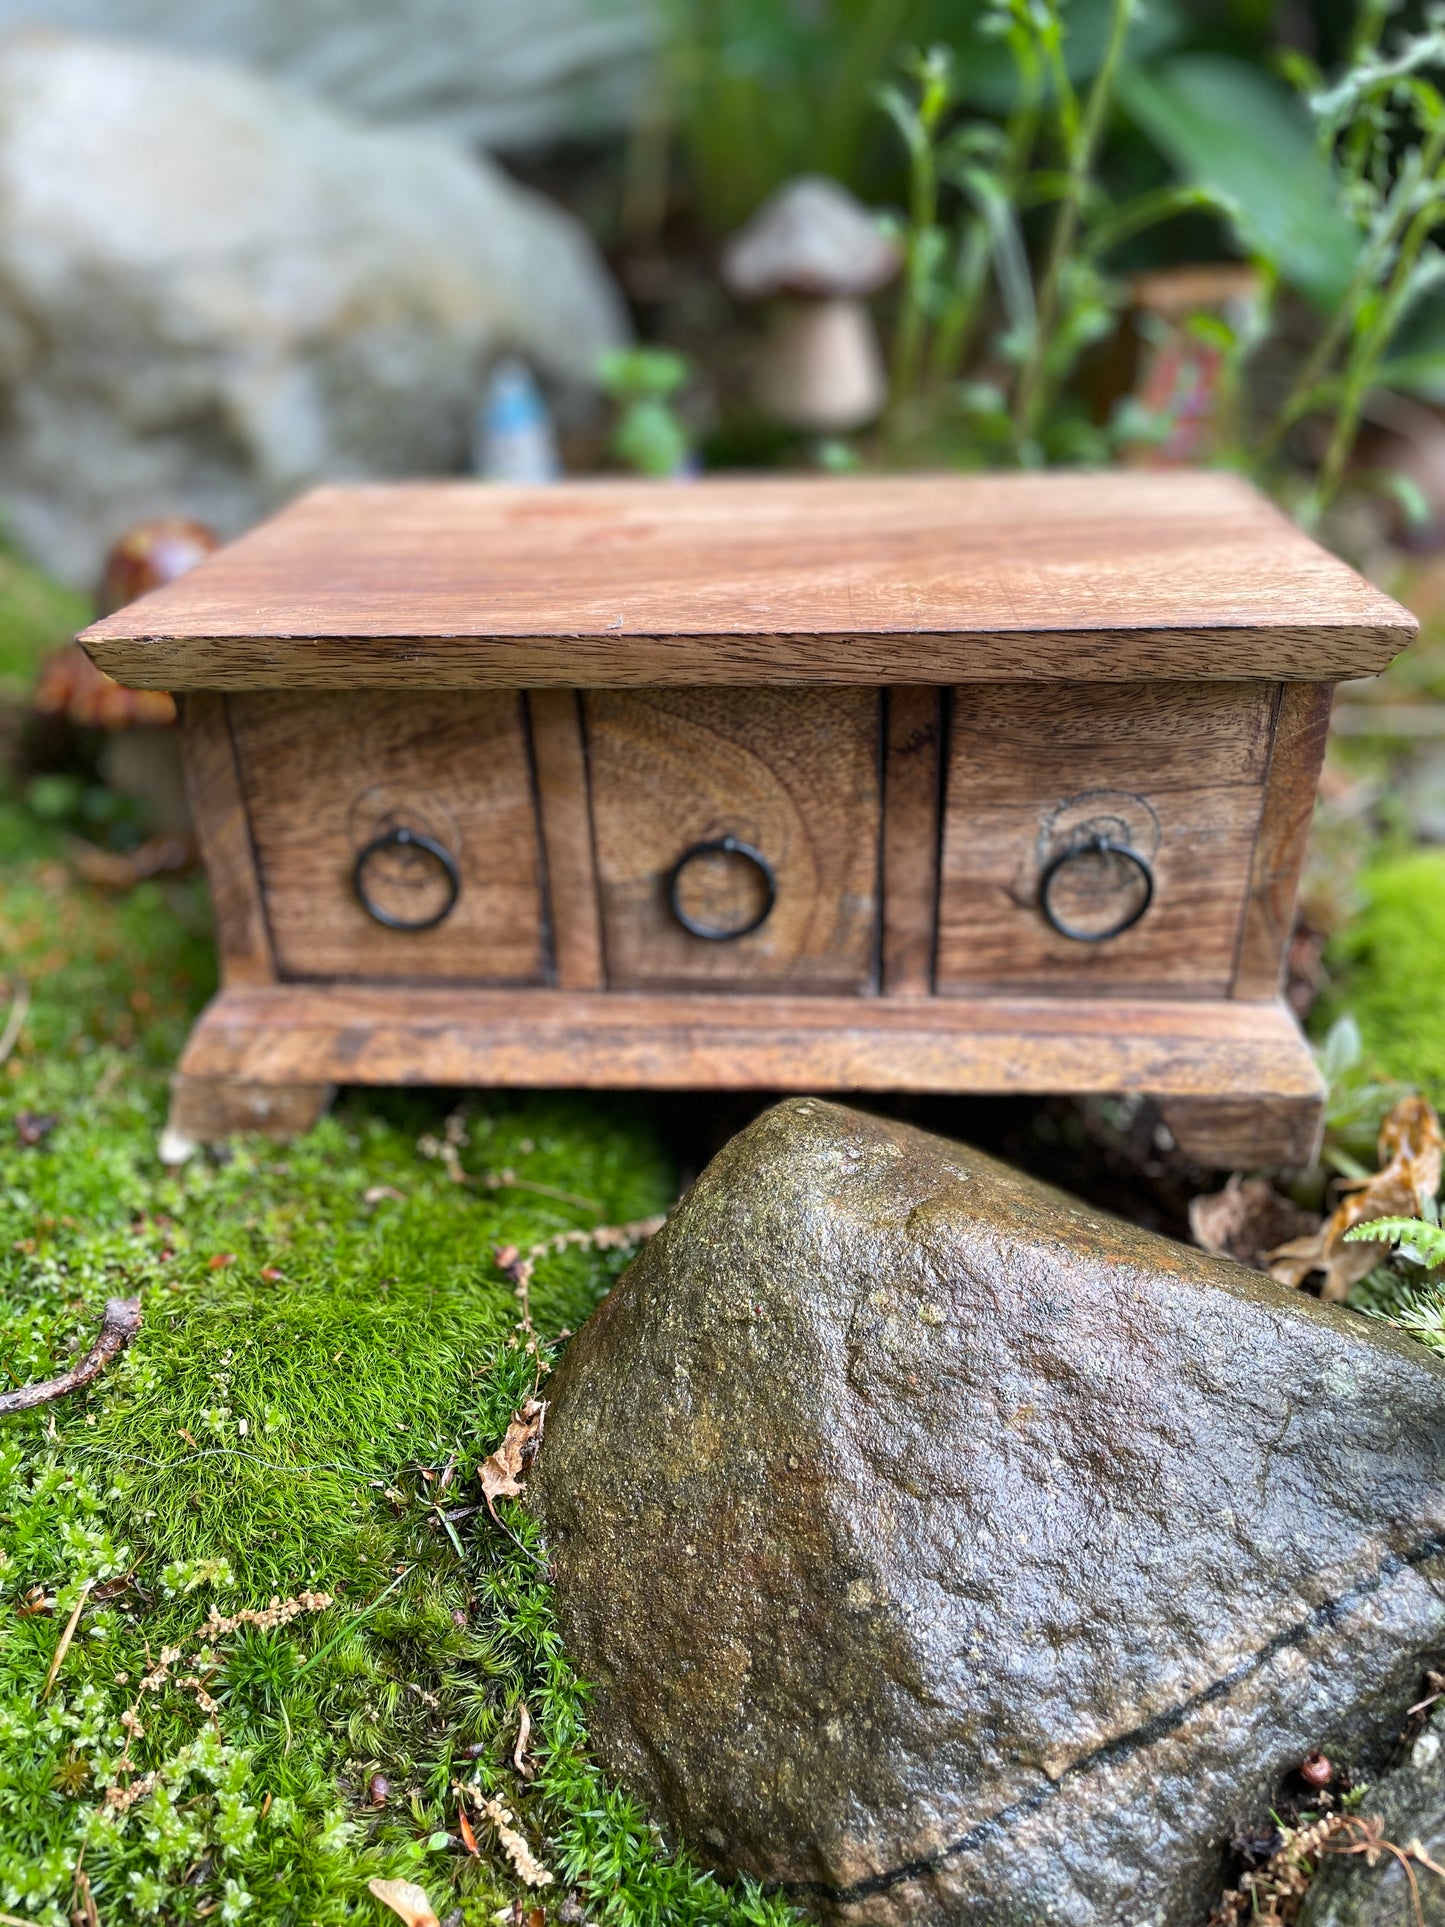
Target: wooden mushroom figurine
(820,250)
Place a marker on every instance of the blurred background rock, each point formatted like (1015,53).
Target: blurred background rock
(216,291)
(510,74)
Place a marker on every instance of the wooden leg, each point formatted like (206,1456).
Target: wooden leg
(207,1109)
(1240,1133)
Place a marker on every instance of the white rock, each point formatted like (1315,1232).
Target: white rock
(498,72)
(214,291)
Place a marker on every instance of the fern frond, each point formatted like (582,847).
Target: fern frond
(1418,1240)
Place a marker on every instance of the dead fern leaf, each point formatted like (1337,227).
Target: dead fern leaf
(1410,1153)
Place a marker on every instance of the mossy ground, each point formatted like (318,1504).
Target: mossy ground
(326,1331)
(1390,963)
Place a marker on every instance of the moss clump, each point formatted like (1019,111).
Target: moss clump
(1390,962)
(37,616)
(328,1351)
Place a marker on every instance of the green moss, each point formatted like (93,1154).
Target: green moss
(1390,961)
(37,616)
(328,1350)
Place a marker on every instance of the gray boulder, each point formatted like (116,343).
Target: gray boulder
(214,291)
(1410,1806)
(499,72)
(944,1550)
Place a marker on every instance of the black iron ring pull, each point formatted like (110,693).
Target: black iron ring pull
(725,846)
(1095,846)
(404,839)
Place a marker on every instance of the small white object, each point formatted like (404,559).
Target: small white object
(512,438)
(176,1147)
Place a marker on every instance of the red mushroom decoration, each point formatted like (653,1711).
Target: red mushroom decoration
(146,557)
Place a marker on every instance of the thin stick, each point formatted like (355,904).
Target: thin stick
(118,1328)
(63,1647)
(10,1036)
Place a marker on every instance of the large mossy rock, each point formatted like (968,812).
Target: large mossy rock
(1410,1807)
(947,1551)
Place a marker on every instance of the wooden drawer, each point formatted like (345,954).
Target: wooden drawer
(1171,771)
(326,772)
(793,775)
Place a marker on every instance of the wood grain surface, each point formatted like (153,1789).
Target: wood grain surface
(203,1110)
(919,579)
(791,772)
(1244,1132)
(415,1034)
(911,798)
(573,915)
(213,789)
(1301,725)
(324,773)
(1175,771)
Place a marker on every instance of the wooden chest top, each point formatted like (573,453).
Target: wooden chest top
(880,580)
(993,783)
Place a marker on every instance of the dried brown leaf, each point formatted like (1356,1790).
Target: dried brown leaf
(62,1646)
(501,1473)
(408,1900)
(1247,1220)
(1410,1153)
(464,1826)
(382,1193)
(520,1757)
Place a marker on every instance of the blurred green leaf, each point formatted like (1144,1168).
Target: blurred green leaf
(1229,127)
(986,75)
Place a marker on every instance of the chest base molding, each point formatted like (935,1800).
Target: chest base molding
(1236,1081)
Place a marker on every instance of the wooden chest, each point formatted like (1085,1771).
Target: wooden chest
(924,783)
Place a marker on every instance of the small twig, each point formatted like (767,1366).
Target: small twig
(63,1644)
(118,1328)
(15,1022)
(507,1180)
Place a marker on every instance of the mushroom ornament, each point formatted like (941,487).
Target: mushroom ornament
(822,252)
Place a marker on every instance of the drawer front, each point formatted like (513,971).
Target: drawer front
(1121,808)
(719,809)
(328,773)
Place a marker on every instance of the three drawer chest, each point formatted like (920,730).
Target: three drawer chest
(929,783)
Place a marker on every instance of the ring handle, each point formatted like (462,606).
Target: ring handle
(726,846)
(404,839)
(1101,846)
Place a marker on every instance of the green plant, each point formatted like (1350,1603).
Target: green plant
(763,91)
(1357,1100)
(1390,963)
(970,183)
(649,435)
(1341,202)
(758,91)
(37,616)
(1416,1302)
